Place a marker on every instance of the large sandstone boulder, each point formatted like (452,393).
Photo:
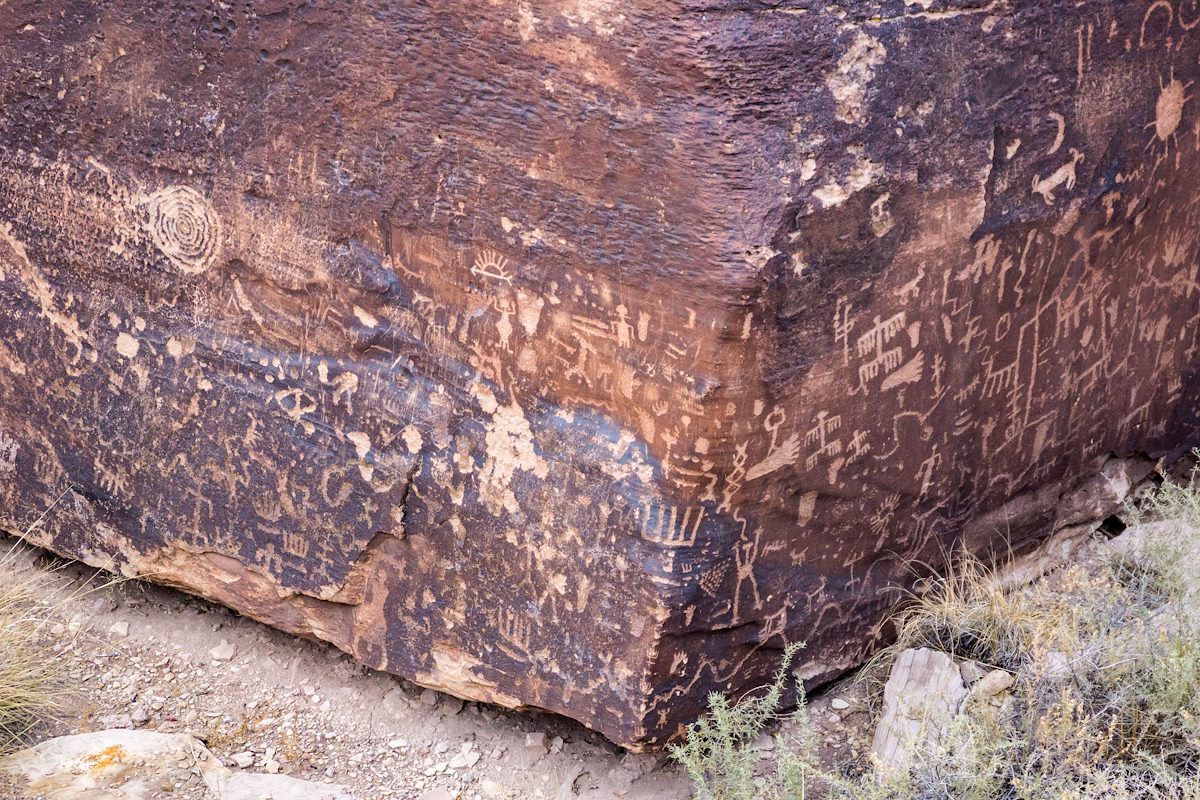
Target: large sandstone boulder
(580,353)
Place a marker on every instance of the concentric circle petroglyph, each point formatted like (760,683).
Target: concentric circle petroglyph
(184,226)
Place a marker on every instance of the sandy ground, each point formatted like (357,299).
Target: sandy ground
(141,656)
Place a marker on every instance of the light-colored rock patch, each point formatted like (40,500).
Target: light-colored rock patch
(137,765)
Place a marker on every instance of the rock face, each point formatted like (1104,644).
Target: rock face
(576,353)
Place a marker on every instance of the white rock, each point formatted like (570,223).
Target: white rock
(491,789)
(253,786)
(120,629)
(923,694)
(537,743)
(764,743)
(971,672)
(838,704)
(225,651)
(995,682)
(243,760)
(120,721)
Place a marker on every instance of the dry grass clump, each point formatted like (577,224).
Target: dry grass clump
(1106,699)
(31,686)
(33,671)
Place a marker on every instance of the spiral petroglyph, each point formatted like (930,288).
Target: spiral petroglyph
(184,226)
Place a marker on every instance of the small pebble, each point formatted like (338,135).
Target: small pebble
(537,743)
(225,651)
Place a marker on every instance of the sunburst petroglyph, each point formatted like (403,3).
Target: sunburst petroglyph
(184,226)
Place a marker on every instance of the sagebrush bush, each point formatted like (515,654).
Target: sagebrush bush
(1105,702)
(719,754)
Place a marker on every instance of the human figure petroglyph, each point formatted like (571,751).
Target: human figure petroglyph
(859,444)
(746,553)
(622,328)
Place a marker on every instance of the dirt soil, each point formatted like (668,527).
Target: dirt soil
(141,656)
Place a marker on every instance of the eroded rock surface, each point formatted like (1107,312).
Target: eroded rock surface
(581,354)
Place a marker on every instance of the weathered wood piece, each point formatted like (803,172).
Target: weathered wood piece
(581,353)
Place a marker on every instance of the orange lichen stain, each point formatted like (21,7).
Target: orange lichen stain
(106,758)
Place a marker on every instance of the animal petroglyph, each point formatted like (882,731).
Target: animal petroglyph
(1064,175)
(1168,112)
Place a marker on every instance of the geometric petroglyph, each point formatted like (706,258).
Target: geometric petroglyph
(872,343)
(666,525)
(184,226)
(490,264)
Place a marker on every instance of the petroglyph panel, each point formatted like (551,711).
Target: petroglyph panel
(584,360)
